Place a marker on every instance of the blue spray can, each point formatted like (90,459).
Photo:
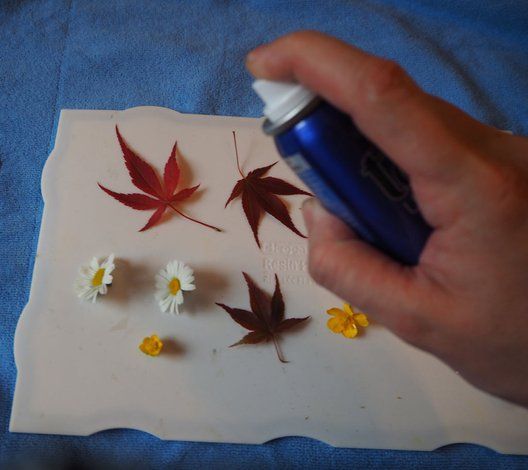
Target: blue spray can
(351,177)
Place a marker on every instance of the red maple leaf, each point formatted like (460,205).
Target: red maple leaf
(266,319)
(161,196)
(259,194)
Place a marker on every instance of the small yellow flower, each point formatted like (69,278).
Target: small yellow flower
(151,345)
(346,321)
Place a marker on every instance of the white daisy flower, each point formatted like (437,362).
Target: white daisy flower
(94,279)
(170,283)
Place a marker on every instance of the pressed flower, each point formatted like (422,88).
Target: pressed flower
(346,321)
(94,279)
(171,282)
(151,345)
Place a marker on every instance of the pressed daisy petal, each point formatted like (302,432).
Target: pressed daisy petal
(160,287)
(179,297)
(173,305)
(172,269)
(165,303)
(162,295)
(100,274)
(161,282)
(185,272)
(186,277)
(109,262)
(86,273)
(169,292)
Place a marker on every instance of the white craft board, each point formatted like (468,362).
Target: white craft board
(79,367)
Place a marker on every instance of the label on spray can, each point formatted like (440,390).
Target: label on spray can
(330,199)
(353,178)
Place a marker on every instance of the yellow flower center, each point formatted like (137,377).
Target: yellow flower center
(97,280)
(174,286)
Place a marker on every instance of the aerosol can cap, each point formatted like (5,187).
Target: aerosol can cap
(281,98)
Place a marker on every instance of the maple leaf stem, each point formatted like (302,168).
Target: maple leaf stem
(278,349)
(236,153)
(193,220)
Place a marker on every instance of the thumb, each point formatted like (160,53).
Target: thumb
(357,272)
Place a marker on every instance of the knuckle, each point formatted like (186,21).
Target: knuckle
(507,187)
(317,264)
(326,267)
(413,330)
(384,80)
(300,38)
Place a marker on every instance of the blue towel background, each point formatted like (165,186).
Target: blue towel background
(189,56)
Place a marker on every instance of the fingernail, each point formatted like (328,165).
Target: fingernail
(251,56)
(308,208)
(307,203)
(254,58)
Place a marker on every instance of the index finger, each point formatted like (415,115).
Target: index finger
(415,129)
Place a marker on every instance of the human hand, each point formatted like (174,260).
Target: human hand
(467,300)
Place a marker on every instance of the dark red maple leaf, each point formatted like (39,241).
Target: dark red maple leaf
(259,193)
(266,319)
(162,196)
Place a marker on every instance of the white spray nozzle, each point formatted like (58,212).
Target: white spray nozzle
(280,98)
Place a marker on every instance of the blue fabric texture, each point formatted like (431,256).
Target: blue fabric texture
(189,56)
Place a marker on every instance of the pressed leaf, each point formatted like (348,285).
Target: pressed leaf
(154,218)
(252,338)
(275,207)
(277,304)
(258,300)
(278,186)
(137,201)
(171,175)
(243,317)
(253,212)
(236,192)
(265,320)
(259,172)
(290,323)
(185,193)
(144,177)
(259,194)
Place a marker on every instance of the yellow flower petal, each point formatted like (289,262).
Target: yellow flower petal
(151,346)
(335,311)
(348,309)
(336,325)
(361,319)
(350,331)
